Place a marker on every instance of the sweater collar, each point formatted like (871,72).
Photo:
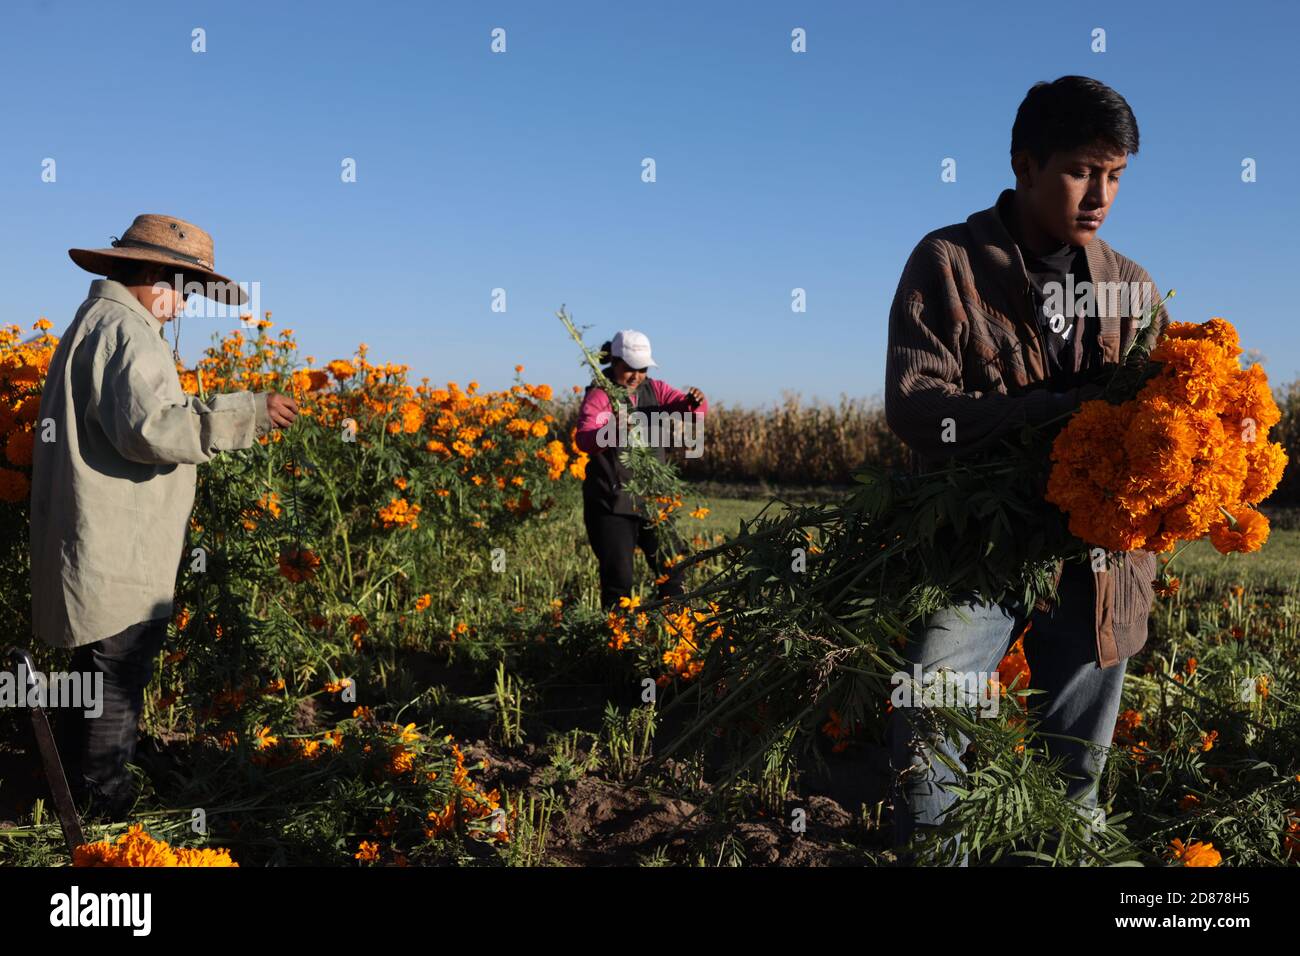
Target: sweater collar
(999,253)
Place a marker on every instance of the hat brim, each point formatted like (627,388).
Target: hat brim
(217,287)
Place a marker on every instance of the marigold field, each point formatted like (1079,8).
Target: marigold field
(387,648)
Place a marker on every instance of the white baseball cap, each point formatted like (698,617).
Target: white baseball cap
(632,347)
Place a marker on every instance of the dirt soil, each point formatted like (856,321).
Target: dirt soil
(608,823)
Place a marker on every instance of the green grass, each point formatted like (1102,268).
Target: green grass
(1275,566)
(725,514)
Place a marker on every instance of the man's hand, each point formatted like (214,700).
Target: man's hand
(696,396)
(1125,381)
(281,408)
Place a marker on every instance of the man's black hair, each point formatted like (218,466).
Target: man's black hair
(139,272)
(1069,113)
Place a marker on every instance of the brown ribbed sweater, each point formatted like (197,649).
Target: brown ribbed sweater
(965,361)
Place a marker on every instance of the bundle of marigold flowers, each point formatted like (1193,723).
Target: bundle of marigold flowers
(138,848)
(1188,456)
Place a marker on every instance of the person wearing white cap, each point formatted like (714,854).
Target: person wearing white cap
(616,521)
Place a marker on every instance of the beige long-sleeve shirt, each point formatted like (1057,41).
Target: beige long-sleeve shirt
(113,470)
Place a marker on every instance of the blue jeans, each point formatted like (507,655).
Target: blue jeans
(98,749)
(1081,701)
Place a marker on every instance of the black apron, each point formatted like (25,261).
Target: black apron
(604,486)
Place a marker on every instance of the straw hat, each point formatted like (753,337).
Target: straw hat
(169,242)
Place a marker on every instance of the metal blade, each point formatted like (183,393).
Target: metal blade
(54,775)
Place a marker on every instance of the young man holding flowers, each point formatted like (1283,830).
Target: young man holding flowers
(982,341)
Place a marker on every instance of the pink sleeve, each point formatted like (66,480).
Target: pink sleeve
(672,400)
(595,411)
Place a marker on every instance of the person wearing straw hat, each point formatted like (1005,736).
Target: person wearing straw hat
(113,482)
(616,521)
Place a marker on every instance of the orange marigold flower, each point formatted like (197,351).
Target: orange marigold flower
(1195,853)
(412,417)
(18,447)
(14,486)
(1291,838)
(1126,725)
(341,370)
(299,565)
(1249,534)
(1013,669)
(1265,462)
(137,848)
(401,761)
(270,503)
(399,513)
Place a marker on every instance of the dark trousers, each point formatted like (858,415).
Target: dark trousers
(613,538)
(97,749)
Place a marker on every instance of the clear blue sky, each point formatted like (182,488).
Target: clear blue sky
(522,170)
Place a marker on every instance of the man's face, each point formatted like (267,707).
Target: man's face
(1071,195)
(163,296)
